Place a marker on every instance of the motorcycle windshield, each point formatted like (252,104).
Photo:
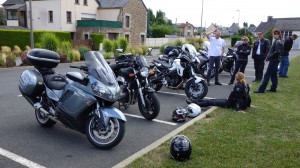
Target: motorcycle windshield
(191,49)
(99,68)
(141,61)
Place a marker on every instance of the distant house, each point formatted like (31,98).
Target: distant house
(186,29)
(113,18)
(251,28)
(234,28)
(212,27)
(287,26)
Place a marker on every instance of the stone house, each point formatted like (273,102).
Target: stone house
(186,29)
(113,18)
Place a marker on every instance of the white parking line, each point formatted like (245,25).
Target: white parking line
(155,120)
(179,94)
(19,159)
(20,95)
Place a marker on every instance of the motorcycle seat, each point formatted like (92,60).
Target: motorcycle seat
(55,81)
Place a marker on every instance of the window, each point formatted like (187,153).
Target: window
(69,17)
(127,37)
(50,13)
(12,15)
(85,2)
(143,39)
(127,21)
(76,1)
(86,36)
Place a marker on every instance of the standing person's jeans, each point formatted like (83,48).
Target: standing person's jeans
(240,65)
(213,60)
(259,64)
(284,66)
(270,73)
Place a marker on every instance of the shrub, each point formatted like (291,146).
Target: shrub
(107,55)
(115,47)
(49,41)
(97,39)
(27,48)
(10,59)
(234,39)
(107,45)
(144,49)
(17,51)
(24,56)
(64,50)
(2,60)
(82,50)
(136,50)
(76,54)
(123,43)
(8,37)
(5,49)
(70,56)
(38,45)
(178,42)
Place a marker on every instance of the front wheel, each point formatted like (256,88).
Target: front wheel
(196,90)
(204,70)
(43,119)
(152,108)
(105,138)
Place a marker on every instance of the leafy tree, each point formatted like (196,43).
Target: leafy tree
(162,30)
(269,35)
(243,32)
(1,17)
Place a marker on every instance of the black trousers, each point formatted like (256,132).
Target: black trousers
(215,102)
(259,64)
(213,60)
(240,65)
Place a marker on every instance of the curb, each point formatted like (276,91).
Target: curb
(162,140)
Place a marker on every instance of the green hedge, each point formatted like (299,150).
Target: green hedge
(97,39)
(234,39)
(21,38)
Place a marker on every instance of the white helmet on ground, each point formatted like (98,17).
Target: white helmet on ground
(193,110)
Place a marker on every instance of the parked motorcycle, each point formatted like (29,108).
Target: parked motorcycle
(79,102)
(132,76)
(228,61)
(180,75)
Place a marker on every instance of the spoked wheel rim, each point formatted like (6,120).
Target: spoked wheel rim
(196,89)
(102,135)
(41,117)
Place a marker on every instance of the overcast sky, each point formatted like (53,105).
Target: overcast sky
(223,12)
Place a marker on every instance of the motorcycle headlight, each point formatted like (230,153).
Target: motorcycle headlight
(144,72)
(99,89)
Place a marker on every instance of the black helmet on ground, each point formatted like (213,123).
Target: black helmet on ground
(180,148)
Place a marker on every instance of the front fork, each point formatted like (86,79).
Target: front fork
(140,90)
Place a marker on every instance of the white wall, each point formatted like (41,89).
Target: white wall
(59,7)
(296,44)
(108,14)
(12,23)
(156,42)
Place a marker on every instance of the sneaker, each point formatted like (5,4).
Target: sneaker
(218,83)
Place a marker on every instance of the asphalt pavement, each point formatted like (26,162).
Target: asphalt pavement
(24,143)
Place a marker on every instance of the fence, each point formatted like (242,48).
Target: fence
(79,43)
(156,42)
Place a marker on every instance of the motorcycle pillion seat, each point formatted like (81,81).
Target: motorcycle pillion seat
(55,81)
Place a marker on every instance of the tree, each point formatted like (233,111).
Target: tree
(1,16)
(243,32)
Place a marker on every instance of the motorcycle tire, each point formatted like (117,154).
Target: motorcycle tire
(43,119)
(152,108)
(204,71)
(105,138)
(196,93)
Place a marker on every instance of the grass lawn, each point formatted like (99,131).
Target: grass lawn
(267,135)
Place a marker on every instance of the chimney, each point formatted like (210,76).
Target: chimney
(269,18)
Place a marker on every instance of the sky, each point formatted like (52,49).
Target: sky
(223,12)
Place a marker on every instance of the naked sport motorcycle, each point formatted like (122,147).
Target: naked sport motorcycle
(81,102)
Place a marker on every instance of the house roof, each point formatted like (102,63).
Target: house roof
(16,6)
(183,25)
(12,2)
(114,3)
(283,24)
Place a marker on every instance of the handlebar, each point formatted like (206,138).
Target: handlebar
(83,68)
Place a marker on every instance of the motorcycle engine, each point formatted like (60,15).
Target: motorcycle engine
(173,80)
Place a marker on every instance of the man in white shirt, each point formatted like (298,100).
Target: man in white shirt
(216,51)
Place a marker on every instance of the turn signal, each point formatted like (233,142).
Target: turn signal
(151,73)
(131,75)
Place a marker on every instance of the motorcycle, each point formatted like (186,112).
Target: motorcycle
(132,76)
(228,61)
(80,102)
(180,75)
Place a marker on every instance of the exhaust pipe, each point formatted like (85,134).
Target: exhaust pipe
(37,106)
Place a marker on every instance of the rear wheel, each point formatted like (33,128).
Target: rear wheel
(105,138)
(152,108)
(196,90)
(43,119)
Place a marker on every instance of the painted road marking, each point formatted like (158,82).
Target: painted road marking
(20,95)
(19,159)
(155,120)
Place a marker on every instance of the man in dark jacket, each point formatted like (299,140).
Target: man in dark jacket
(243,51)
(274,59)
(260,51)
(284,63)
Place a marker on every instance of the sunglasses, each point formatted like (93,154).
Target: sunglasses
(245,40)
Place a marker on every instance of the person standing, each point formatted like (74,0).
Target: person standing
(285,62)
(243,51)
(216,50)
(260,50)
(274,59)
